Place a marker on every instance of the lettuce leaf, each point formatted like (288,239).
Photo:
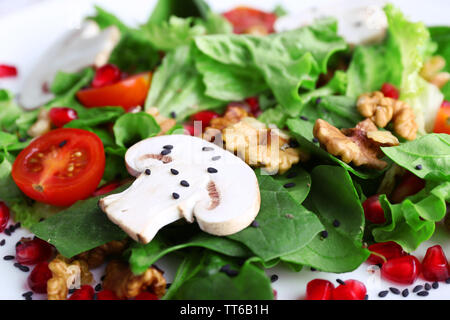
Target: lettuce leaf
(441,36)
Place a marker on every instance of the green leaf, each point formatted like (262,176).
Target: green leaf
(300,178)
(9,111)
(431,152)
(133,127)
(284,225)
(9,192)
(30,214)
(165,9)
(441,36)
(79,228)
(105,19)
(341,250)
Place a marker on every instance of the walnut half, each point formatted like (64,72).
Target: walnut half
(360,145)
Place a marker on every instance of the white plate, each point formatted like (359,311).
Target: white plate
(26,33)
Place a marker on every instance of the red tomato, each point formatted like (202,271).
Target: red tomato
(442,122)
(61,167)
(127,93)
(246,20)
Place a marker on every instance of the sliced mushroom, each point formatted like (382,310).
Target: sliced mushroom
(180,176)
(76,50)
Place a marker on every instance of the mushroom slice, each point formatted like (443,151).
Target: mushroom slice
(76,50)
(180,176)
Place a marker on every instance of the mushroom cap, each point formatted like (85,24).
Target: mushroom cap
(222,193)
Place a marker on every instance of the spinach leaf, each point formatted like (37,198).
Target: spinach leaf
(284,225)
(133,127)
(430,152)
(79,228)
(341,250)
(9,192)
(301,180)
(92,117)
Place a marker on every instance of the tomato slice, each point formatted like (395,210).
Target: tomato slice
(127,93)
(246,20)
(442,122)
(60,167)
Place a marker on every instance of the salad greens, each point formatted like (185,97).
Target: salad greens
(197,64)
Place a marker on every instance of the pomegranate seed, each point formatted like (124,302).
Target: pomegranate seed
(390,91)
(373,210)
(85,292)
(445,104)
(31,252)
(435,265)
(404,270)
(189,129)
(205,117)
(37,280)
(106,75)
(351,290)
(7,71)
(146,296)
(107,188)
(107,295)
(319,289)
(253,102)
(275,294)
(388,250)
(60,116)
(409,185)
(4,216)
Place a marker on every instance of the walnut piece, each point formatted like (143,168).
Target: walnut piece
(232,115)
(382,110)
(42,125)
(431,71)
(164,123)
(261,146)
(97,256)
(66,274)
(360,145)
(120,279)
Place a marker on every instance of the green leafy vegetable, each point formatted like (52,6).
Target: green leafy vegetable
(9,192)
(165,9)
(133,127)
(441,36)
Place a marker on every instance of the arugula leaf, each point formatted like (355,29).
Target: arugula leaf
(79,228)
(92,117)
(133,127)
(431,152)
(9,111)
(284,225)
(9,192)
(412,221)
(341,250)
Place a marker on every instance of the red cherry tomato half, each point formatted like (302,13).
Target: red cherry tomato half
(244,19)
(127,93)
(61,167)
(442,122)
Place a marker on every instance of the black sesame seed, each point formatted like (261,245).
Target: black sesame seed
(405,293)
(173,115)
(232,273)
(27,294)
(22,139)
(21,267)
(318,100)
(62,143)
(313,269)
(98,287)
(394,290)
(175,195)
(291,175)
(148,172)
(8,257)
(28,298)
(340,281)
(175,172)
(7,232)
(423,293)
(2,243)
(255,224)
(184,183)
(324,234)
(336,223)
(165,152)
(315,140)
(212,170)
(366,297)
(419,167)
(447,280)
(227,269)
(207,149)
(289,185)
(383,293)
(293,144)
(215,158)
(304,118)
(427,286)
(168,285)
(17,225)
(417,288)
(435,285)
(168,147)
(273,278)
(12,228)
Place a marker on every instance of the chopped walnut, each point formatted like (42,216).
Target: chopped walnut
(97,256)
(165,123)
(382,110)
(233,114)
(42,125)
(431,71)
(120,279)
(66,274)
(260,146)
(360,145)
